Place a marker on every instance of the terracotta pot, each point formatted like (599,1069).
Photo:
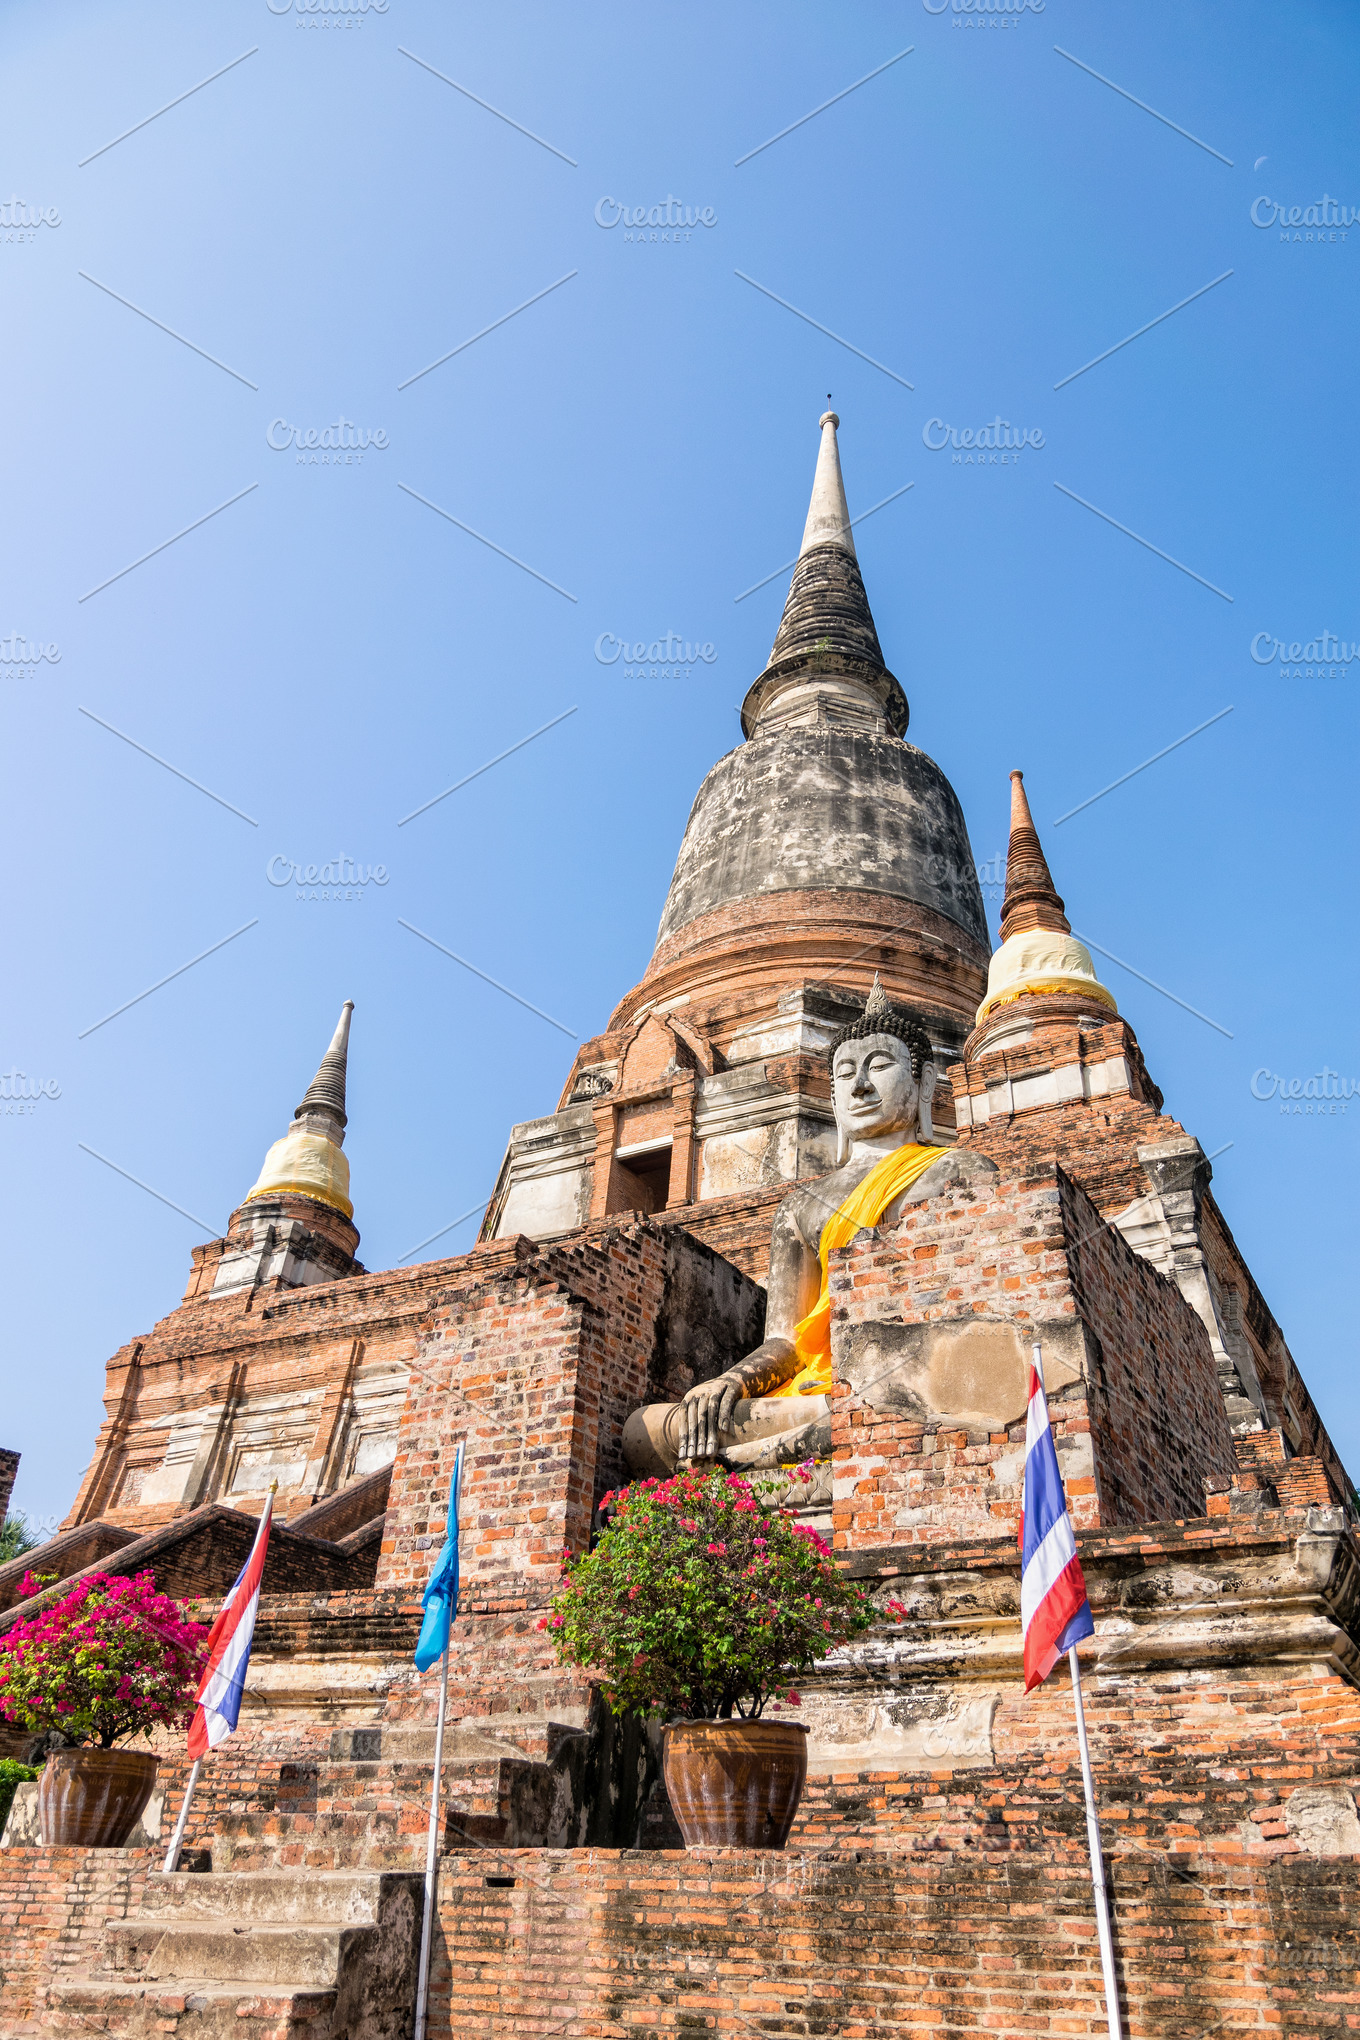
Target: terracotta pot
(93,1799)
(735,1784)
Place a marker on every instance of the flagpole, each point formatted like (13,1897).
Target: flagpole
(1097,1860)
(431,1852)
(445,1577)
(176,1840)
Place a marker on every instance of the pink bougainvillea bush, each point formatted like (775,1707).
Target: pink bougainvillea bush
(112,1660)
(702,1599)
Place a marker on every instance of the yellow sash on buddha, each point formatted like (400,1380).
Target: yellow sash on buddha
(863,1207)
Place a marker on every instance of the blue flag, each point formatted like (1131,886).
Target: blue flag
(441,1595)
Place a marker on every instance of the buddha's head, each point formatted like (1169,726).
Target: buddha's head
(882,1076)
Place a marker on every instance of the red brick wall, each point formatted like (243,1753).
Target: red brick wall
(539,1377)
(1134,1442)
(496,1373)
(53,1905)
(1158,1425)
(198,1555)
(1096,1141)
(1288,1401)
(257,1344)
(836,1943)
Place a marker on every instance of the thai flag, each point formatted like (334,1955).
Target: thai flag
(223,1682)
(1054,1610)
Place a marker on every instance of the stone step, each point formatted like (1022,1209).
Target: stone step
(191,2009)
(313,1853)
(260,1957)
(375,1815)
(535,1736)
(349,1898)
(296,1954)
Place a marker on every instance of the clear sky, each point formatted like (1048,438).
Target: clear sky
(326,218)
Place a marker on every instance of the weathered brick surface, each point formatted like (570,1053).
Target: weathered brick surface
(1136,1438)
(602,1943)
(1289,1404)
(9,1468)
(53,1904)
(539,1375)
(199,1555)
(1095,1140)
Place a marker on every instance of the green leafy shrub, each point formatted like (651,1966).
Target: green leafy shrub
(702,1599)
(12,1776)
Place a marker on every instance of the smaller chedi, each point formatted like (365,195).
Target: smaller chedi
(773,1407)
(310,1160)
(1039,955)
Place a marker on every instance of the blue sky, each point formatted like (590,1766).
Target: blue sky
(326,653)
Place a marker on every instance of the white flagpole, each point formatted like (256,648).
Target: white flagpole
(176,1840)
(432,1840)
(431,1853)
(1097,1860)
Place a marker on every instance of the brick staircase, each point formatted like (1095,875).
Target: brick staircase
(261,1955)
(306,1927)
(366,1806)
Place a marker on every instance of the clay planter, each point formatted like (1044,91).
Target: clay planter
(93,1799)
(735,1784)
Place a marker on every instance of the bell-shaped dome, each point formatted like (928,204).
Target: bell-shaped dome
(826,806)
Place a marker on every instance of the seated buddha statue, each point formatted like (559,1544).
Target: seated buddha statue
(773,1407)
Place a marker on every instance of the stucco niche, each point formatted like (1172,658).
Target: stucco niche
(972,1370)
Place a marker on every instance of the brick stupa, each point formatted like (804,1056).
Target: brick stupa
(936,1877)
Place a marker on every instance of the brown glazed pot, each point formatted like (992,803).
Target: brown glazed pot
(735,1784)
(93,1799)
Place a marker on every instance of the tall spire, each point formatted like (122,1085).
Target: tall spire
(826,663)
(1031,899)
(310,1160)
(828,518)
(326,1092)
(1039,955)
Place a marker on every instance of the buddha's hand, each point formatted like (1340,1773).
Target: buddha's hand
(707,1411)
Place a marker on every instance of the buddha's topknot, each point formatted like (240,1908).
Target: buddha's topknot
(880,1016)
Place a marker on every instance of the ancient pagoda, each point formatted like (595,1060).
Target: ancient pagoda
(936,1877)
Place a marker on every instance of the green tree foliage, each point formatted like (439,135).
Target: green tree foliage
(16,1538)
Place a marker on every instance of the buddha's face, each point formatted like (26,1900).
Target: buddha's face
(874,1092)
